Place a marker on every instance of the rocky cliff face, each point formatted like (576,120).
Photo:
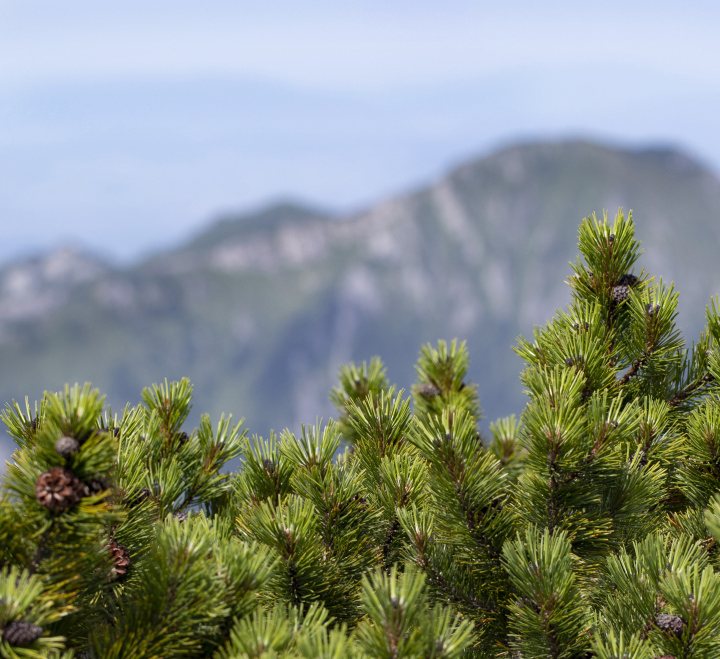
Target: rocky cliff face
(33,289)
(260,310)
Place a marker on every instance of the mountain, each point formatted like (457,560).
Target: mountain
(260,309)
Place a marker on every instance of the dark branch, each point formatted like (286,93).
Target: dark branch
(685,393)
(637,365)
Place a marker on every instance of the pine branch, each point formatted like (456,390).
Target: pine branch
(633,371)
(690,389)
(454,595)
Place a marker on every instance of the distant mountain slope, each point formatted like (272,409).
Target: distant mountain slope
(260,310)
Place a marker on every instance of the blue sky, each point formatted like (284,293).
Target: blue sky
(126,126)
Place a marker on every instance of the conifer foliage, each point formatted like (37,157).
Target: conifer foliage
(586,526)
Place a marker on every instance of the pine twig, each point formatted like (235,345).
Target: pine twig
(686,392)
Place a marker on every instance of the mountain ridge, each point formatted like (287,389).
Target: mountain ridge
(260,310)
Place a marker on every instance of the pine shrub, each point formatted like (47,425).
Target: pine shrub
(588,526)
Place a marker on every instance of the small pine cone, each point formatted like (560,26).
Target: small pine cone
(121,558)
(182,439)
(428,390)
(269,467)
(66,446)
(620,294)
(21,634)
(627,280)
(670,623)
(652,310)
(58,489)
(181,517)
(96,485)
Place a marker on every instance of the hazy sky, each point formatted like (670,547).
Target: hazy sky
(125,126)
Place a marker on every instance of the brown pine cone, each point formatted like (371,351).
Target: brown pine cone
(121,558)
(21,634)
(670,623)
(58,489)
(428,390)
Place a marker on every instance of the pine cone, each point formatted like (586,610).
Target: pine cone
(121,558)
(652,310)
(428,390)
(66,446)
(620,294)
(182,439)
(22,634)
(627,280)
(58,489)
(96,485)
(670,623)
(181,517)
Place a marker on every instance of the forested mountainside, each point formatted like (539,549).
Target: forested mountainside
(260,309)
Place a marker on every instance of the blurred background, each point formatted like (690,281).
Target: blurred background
(251,193)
